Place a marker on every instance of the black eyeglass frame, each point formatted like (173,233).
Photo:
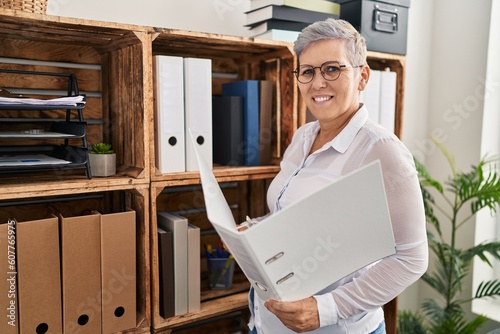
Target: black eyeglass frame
(313,68)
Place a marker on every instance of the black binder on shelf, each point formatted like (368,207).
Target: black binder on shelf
(227,129)
(166,273)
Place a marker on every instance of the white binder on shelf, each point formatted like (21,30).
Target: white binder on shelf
(169,104)
(371,95)
(198,109)
(388,99)
(313,243)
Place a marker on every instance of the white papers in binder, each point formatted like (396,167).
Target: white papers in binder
(198,109)
(169,98)
(313,243)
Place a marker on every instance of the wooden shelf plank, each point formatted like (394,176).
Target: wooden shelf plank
(32,187)
(208,310)
(222,174)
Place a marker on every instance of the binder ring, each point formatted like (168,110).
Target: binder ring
(260,286)
(281,280)
(274,258)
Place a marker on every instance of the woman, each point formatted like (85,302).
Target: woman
(332,73)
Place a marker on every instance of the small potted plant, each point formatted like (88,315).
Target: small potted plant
(102,160)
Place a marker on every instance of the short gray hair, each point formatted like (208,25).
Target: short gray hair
(337,30)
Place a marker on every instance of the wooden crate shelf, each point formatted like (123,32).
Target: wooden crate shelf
(233,59)
(70,204)
(108,61)
(244,197)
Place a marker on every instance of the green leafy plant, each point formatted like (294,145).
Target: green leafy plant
(410,322)
(463,194)
(101,148)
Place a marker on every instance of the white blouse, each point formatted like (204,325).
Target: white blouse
(353,304)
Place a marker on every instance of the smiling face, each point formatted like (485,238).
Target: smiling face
(332,102)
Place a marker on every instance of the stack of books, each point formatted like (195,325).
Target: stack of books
(284,19)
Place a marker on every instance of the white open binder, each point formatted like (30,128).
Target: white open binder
(300,250)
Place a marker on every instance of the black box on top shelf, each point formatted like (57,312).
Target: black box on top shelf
(384,24)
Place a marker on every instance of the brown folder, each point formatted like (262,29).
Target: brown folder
(81,283)
(118,259)
(39,276)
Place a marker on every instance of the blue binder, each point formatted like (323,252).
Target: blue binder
(249,90)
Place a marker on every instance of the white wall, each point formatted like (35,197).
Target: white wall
(416,104)
(214,16)
(446,66)
(418,74)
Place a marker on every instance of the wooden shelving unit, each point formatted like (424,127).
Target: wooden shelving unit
(237,58)
(233,58)
(110,62)
(113,63)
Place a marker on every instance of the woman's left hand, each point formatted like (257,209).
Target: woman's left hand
(299,316)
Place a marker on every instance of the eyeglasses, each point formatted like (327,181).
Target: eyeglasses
(329,70)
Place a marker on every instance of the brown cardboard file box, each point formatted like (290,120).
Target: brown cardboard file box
(39,276)
(9,321)
(118,272)
(81,279)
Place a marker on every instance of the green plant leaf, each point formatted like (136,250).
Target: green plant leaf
(429,210)
(101,148)
(425,179)
(481,250)
(473,326)
(410,323)
(482,189)
(447,319)
(488,289)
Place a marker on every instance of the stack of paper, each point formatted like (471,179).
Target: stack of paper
(62,101)
(30,160)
